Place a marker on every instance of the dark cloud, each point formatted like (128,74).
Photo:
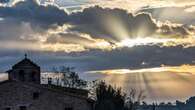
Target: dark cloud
(4,1)
(28,18)
(89,21)
(172,14)
(31,11)
(175,30)
(13,30)
(153,56)
(92,21)
(26,21)
(177,15)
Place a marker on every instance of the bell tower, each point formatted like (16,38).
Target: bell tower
(25,71)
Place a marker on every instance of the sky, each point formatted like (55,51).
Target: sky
(117,33)
(97,34)
(104,37)
(158,84)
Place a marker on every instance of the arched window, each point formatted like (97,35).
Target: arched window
(21,75)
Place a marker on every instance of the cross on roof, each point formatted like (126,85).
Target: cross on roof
(25,55)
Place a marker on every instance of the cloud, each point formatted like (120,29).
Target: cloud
(174,14)
(133,58)
(108,23)
(83,40)
(31,11)
(4,1)
(117,24)
(90,39)
(175,30)
(67,38)
(50,28)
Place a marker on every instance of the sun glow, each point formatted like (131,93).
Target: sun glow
(183,70)
(142,41)
(159,83)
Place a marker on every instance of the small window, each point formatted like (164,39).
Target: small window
(68,108)
(23,108)
(35,95)
(7,108)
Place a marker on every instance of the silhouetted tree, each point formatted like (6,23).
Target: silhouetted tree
(70,78)
(134,99)
(180,104)
(109,98)
(154,106)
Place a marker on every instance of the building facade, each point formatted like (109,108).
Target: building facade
(23,91)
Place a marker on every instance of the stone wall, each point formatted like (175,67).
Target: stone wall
(22,96)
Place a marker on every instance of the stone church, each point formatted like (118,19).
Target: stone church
(23,91)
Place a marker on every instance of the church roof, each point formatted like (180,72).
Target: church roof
(25,62)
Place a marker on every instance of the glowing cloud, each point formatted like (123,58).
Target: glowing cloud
(90,29)
(158,83)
